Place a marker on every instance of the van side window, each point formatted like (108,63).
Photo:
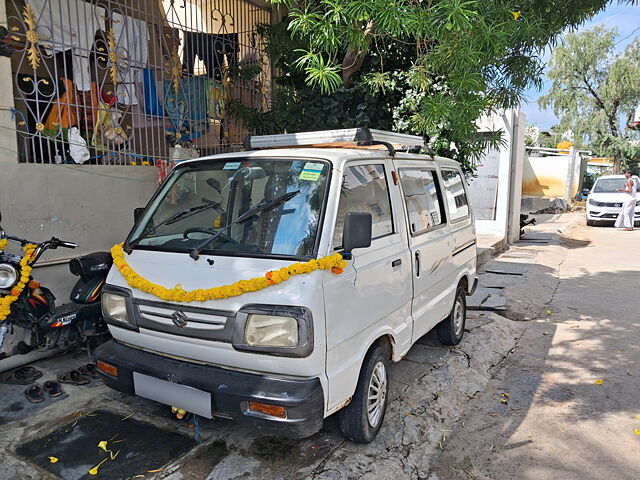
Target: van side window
(423,199)
(364,189)
(456,195)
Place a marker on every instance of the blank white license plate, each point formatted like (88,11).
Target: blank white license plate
(181,396)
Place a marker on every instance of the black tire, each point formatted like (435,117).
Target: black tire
(354,419)
(451,329)
(591,223)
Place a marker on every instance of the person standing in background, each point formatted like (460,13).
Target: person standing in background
(625,218)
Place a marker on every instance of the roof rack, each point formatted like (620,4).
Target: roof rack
(361,137)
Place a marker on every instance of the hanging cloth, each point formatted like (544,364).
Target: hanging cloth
(132,47)
(71,28)
(61,114)
(211,49)
(152,103)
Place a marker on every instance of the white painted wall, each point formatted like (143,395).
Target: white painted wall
(496,192)
(551,174)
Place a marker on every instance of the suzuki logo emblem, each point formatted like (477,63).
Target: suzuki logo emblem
(179,319)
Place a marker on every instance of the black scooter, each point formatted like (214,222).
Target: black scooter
(36,327)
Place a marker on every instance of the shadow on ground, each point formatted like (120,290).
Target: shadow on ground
(591,374)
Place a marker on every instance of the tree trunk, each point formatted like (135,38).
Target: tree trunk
(353,60)
(617,165)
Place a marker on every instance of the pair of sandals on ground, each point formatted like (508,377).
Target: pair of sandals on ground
(27,375)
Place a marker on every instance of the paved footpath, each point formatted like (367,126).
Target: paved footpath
(566,404)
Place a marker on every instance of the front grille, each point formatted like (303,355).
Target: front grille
(606,204)
(166,316)
(185,320)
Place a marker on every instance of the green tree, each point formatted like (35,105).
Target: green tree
(595,90)
(429,67)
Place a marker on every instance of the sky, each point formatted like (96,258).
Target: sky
(625,18)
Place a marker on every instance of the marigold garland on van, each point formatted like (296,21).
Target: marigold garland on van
(3,244)
(25,272)
(335,263)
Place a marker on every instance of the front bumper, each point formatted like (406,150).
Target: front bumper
(230,390)
(609,213)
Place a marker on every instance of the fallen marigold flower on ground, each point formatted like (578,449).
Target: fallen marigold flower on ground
(94,470)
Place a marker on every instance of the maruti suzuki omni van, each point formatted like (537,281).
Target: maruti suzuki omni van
(286,354)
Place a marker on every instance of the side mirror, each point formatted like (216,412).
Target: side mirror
(137,214)
(586,191)
(357,231)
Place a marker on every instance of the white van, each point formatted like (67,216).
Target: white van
(293,353)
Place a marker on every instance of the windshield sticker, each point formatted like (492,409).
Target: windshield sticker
(309,175)
(315,166)
(231,166)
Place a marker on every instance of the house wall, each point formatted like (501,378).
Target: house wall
(90,205)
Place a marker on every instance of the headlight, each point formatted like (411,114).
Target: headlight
(593,202)
(114,308)
(274,330)
(271,331)
(8,275)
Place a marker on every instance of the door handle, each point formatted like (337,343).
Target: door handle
(396,263)
(417,264)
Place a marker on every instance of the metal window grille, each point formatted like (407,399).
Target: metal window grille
(119,82)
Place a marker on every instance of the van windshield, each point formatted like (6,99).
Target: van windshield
(609,185)
(244,207)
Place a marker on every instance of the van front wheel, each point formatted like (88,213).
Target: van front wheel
(361,420)
(451,329)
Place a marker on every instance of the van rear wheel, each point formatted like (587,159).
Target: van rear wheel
(451,329)
(361,420)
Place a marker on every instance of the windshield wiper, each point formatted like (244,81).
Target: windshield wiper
(191,211)
(172,219)
(261,207)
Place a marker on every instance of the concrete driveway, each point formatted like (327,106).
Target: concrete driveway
(572,386)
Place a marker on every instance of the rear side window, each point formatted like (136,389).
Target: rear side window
(423,199)
(455,194)
(364,189)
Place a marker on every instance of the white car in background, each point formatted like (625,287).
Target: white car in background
(604,201)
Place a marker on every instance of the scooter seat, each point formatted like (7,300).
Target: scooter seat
(91,265)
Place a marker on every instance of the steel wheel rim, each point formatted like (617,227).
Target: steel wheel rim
(458,317)
(376,394)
